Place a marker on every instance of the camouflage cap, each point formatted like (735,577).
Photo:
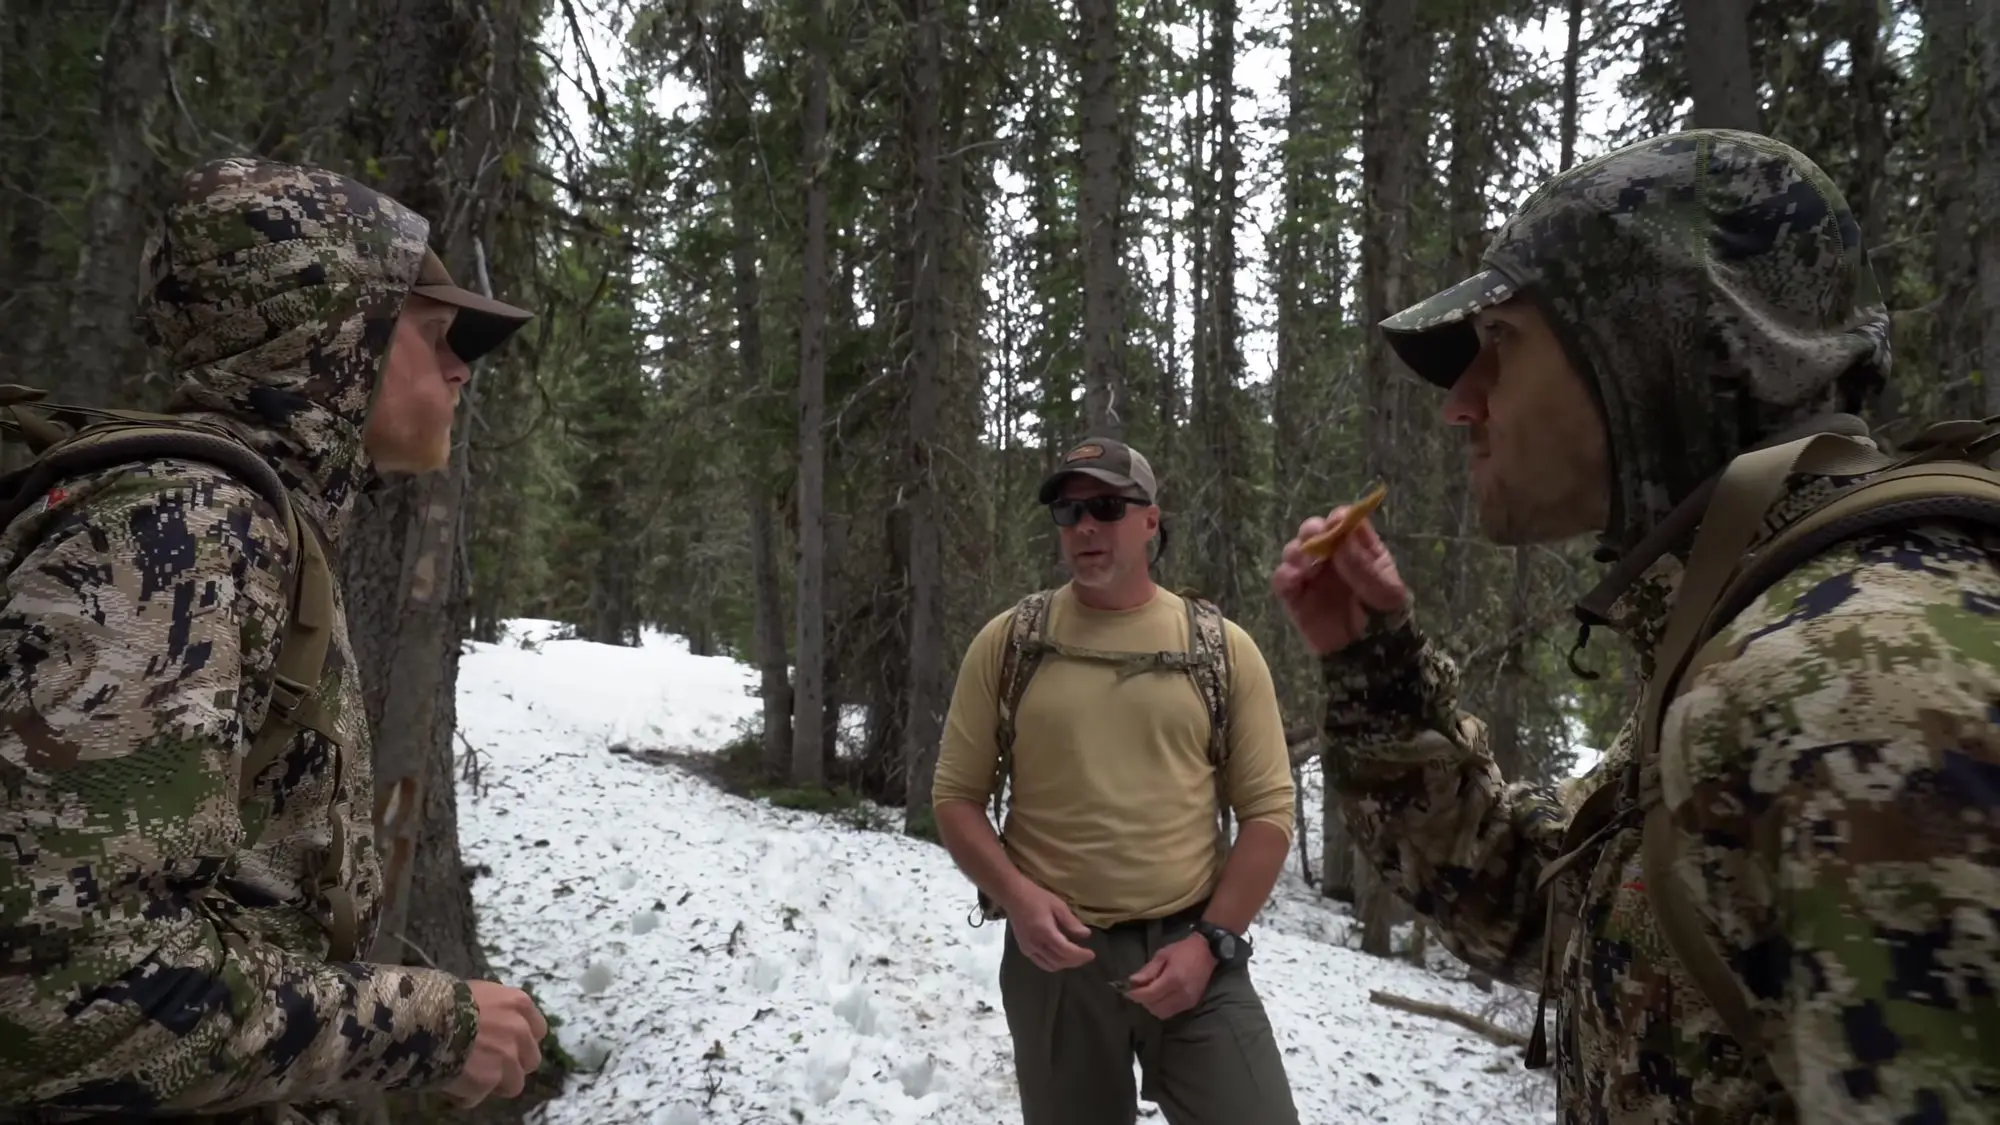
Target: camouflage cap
(1112,462)
(1711,284)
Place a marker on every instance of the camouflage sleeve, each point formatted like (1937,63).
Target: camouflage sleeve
(1839,771)
(124,638)
(1425,801)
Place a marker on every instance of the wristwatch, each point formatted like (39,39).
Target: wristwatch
(1230,949)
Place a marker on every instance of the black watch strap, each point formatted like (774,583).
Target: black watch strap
(1229,947)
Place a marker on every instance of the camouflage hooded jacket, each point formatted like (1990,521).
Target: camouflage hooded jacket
(1845,754)
(159,952)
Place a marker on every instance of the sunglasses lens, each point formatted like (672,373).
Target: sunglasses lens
(1103,509)
(1106,509)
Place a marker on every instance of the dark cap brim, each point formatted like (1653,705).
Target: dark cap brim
(1052,486)
(1435,337)
(482,323)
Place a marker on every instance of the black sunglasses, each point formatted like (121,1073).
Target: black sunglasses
(1103,509)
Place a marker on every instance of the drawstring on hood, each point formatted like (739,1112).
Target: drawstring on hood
(1713,288)
(274,291)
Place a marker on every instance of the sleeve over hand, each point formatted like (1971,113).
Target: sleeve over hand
(1427,804)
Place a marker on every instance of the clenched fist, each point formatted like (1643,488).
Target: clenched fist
(507,1048)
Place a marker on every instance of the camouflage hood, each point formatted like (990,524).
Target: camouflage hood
(1712,287)
(273,292)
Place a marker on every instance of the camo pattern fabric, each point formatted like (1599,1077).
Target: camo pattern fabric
(1025,630)
(1208,645)
(1840,750)
(159,952)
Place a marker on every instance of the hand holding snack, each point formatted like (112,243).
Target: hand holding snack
(1335,572)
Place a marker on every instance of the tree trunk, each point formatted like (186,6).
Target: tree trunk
(399,558)
(1337,856)
(1869,102)
(1951,119)
(1988,201)
(1716,37)
(406,561)
(729,94)
(811,738)
(924,265)
(100,348)
(1228,505)
(808,756)
(773,663)
(1100,207)
(1572,65)
(31,294)
(1394,56)
(1378,913)
(403,560)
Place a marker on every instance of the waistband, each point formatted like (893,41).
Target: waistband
(1186,916)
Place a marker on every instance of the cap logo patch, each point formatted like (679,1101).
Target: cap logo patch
(1084,453)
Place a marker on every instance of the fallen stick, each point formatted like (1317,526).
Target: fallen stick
(1485,1029)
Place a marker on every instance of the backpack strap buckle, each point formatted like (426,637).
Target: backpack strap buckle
(288,695)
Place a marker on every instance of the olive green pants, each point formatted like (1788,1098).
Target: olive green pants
(1075,1038)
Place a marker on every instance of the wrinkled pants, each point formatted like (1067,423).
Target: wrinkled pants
(1075,1038)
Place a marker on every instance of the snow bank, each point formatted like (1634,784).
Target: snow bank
(714,959)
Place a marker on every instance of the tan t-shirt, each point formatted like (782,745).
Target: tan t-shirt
(1112,801)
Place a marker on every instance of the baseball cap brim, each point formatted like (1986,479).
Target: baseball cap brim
(1053,485)
(1435,337)
(482,323)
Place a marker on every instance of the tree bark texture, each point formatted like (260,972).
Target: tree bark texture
(1716,39)
(1394,57)
(100,347)
(1100,206)
(808,764)
(923,264)
(729,100)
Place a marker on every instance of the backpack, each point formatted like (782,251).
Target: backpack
(1940,475)
(1206,662)
(72,441)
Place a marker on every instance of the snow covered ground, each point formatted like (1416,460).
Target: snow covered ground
(714,959)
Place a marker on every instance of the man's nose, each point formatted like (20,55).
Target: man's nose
(457,372)
(1465,403)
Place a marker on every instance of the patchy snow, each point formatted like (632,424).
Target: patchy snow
(715,959)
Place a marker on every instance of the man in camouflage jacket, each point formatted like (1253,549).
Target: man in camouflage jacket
(1645,318)
(162,952)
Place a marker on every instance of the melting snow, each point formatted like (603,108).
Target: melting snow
(718,960)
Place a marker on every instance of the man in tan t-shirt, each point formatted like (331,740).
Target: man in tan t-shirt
(1126,907)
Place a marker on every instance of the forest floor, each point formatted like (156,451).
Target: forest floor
(713,958)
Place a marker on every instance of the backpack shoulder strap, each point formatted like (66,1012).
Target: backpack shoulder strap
(1208,666)
(1945,481)
(1027,637)
(301,657)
